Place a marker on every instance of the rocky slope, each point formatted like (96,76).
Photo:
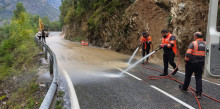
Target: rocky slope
(120,31)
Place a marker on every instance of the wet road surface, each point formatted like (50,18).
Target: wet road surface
(100,85)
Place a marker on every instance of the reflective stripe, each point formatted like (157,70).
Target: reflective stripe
(195,43)
(195,53)
(189,51)
(199,53)
(195,50)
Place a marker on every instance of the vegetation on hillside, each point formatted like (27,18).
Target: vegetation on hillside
(18,60)
(52,26)
(95,12)
(18,41)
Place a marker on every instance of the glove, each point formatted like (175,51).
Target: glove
(161,46)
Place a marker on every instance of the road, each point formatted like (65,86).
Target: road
(99,83)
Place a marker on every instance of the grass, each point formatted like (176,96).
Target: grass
(60,102)
(25,97)
(2,97)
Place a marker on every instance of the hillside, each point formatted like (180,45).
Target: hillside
(43,8)
(118,27)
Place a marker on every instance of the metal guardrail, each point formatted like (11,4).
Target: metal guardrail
(53,70)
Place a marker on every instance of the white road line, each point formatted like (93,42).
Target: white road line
(194,77)
(174,98)
(73,97)
(129,74)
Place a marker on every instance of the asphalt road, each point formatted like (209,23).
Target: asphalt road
(99,83)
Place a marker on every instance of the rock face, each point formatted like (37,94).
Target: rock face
(188,17)
(121,31)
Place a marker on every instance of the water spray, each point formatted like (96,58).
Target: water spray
(133,65)
(134,54)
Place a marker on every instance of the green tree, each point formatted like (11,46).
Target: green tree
(55,26)
(34,19)
(46,21)
(19,9)
(64,8)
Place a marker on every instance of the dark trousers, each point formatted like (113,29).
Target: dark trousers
(168,58)
(39,37)
(145,51)
(197,68)
(43,39)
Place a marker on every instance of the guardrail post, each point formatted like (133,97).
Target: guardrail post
(42,46)
(45,53)
(39,43)
(51,64)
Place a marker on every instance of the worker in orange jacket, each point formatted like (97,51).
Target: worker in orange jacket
(146,44)
(195,58)
(170,50)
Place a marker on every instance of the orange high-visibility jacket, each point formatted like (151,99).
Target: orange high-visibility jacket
(170,43)
(145,40)
(196,51)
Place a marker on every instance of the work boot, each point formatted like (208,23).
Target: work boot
(181,88)
(199,95)
(175,71)
(164,74)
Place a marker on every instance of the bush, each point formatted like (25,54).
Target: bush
(17,44)
(169,19)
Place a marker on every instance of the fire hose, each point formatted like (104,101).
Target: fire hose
(172,78)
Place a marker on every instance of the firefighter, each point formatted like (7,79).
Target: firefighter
(43,36)
(146,44)
(170,49)
(195,58)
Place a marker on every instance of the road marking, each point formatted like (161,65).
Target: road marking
(73,98)
(194,77)
(128,74)
(174,98)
